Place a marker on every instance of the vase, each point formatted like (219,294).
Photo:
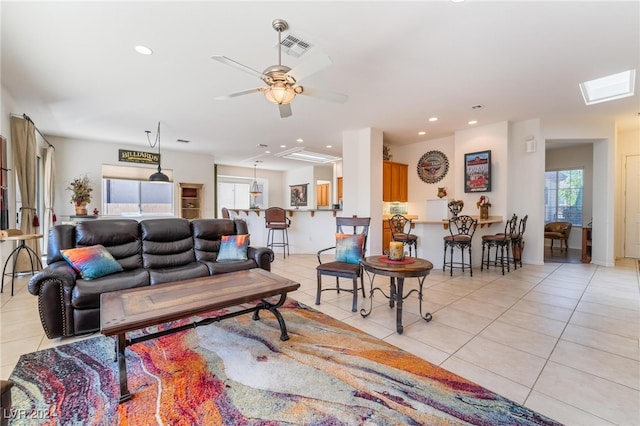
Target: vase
(484,212)
(81,210)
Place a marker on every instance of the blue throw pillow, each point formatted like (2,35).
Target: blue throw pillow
(233,247)
(349,247)
(91,262)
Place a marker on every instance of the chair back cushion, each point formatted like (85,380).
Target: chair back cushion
(349,247)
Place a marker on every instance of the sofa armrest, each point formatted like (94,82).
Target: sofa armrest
(263,256)
(53,286)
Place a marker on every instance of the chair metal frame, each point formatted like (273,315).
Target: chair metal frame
(276,220)
(461,230)
(400,228)
(358,225)
(503,241)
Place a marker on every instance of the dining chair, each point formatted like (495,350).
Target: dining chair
(401,231)
(461,230)
(350,248)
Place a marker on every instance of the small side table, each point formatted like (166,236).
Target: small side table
(33,256)
(418,268)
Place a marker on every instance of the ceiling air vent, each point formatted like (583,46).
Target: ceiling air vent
(294,46)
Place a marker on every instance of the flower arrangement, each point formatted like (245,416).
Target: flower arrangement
(81,190)
(483,201)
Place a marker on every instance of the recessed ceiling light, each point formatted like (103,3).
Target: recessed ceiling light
(267,152)
(422,133)
(299,140)
(614,86)
(473,122)
(432,119)
(143,50)
(329,146)
(283,146)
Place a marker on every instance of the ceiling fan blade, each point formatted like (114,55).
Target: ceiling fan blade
(310,66)
(234,95)
(285,110)
(327,96)
(237,65)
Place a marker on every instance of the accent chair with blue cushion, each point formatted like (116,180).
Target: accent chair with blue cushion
(350,248)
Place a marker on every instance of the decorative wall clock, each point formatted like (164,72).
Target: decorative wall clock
(433,166)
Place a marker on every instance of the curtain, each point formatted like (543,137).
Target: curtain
(23,143)
(49,189)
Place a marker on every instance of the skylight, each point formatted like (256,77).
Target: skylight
(309,156)
(614,86)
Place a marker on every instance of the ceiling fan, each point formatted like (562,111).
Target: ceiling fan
(282,81)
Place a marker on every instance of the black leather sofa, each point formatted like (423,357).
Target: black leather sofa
(151,251)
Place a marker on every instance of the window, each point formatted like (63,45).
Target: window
(126,191)
(233,193)
(563,196)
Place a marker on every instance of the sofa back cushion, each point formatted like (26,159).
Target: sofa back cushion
(207,234)
(121,237)
(166,243)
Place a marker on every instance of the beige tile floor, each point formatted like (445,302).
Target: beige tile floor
(562,339)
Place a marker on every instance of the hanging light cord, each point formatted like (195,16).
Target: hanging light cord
(157,141)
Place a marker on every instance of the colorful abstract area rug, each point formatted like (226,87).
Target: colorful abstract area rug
(238,372)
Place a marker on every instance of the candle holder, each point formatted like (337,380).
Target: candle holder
(396,250)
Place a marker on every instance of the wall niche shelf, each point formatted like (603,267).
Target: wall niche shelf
(190,200)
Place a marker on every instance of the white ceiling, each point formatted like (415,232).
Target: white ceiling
(71,66)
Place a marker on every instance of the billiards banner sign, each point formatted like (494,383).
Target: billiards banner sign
(129,156)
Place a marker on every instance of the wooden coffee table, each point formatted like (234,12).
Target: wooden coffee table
(134,309)
(411,267)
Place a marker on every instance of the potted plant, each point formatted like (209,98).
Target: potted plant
(80,188)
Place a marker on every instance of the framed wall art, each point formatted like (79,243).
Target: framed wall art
(299,195)
(477,171)
(433,166)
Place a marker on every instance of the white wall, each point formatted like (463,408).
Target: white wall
(628,143)
(78,157)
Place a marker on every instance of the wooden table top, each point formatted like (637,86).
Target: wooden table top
(20,237)
(133,309)
(418,267)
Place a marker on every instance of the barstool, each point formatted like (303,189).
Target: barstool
(502,241)
(401,231)
(461,229)
(34,259)
(276,220)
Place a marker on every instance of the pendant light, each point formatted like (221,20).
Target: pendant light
(255,189)
(157,176)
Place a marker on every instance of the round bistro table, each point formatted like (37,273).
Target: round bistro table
(397,271)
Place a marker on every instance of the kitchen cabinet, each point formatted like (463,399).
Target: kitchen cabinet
(395,181)
(190,200)
(339,189)
(386,235)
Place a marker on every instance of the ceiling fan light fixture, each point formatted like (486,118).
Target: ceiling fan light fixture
(280,93)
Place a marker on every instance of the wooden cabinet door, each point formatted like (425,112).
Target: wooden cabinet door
(339,189)
(386,181)
(395,181)
(323,194)
(400,182)
(386,235)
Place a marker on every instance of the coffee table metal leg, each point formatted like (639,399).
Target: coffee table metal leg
(121,344)
(273,308)
(399,300)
